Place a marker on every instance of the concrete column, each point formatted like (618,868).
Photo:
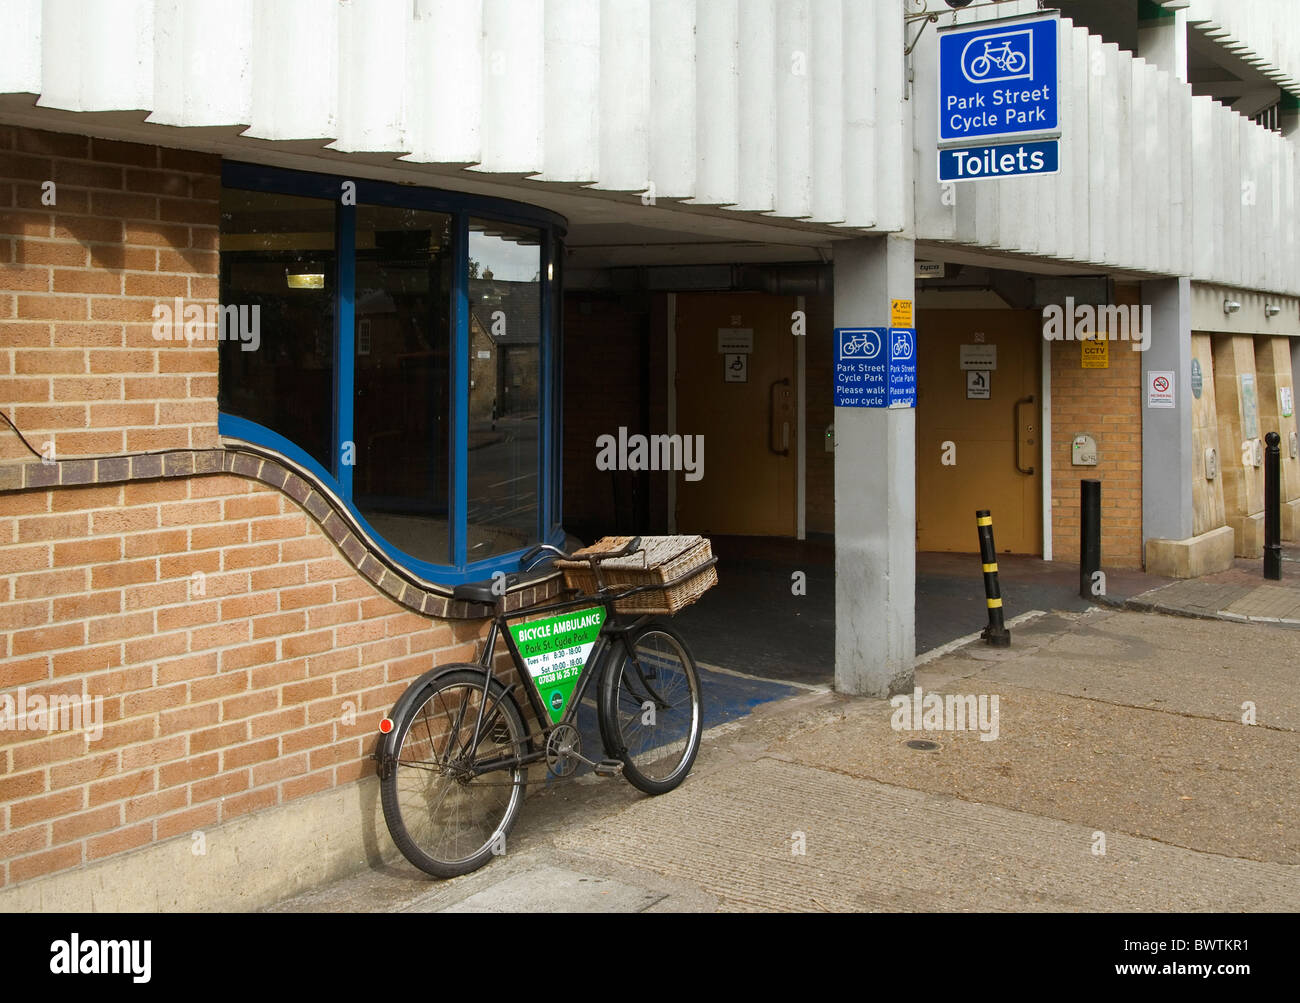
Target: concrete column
(875,491)
(1167,460)
(1162,40)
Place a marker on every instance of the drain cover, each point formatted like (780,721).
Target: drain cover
(923,745)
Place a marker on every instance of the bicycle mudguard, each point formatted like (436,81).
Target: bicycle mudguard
(386,749)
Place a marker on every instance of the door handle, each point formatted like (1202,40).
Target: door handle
(1015,415)
(771,420)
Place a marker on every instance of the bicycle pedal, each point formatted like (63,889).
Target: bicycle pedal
(608,767)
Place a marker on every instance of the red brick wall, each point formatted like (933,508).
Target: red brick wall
(267,686)
(132,226)
(1106,404)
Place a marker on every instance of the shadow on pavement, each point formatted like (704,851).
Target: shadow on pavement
(753,622)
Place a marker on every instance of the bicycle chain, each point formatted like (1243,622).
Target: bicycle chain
(446,770)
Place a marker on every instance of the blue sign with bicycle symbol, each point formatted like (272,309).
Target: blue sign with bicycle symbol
(998,79)
(859,343)
(875,367)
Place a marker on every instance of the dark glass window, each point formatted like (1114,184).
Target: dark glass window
(401,384)
(504,391)
(406,356)
(278,261)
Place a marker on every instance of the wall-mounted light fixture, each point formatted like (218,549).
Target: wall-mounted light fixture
(1271,309)
(304,277)
(1231,306)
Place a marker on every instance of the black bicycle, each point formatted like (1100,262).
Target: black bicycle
(454,753)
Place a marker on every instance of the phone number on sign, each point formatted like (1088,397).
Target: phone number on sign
(561,674)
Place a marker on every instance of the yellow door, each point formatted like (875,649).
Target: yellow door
(743,403)
(978,443)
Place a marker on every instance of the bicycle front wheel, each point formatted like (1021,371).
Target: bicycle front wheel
(650,705)
(446,819)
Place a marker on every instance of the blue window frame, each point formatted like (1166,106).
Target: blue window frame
(317,368)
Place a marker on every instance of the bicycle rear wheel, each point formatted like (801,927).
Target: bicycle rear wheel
(650,706)
(445,820)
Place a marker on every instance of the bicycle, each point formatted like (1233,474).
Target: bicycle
(451,793)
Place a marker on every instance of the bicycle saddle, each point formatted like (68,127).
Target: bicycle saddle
(482,592)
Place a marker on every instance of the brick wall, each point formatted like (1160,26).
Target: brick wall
(131,226)
(1106,404)
(242,658)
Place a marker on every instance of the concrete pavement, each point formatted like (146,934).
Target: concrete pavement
(1122,778)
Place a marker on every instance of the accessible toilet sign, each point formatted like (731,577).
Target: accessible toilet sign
(875,367)
(998,82)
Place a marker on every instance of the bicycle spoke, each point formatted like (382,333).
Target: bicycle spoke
(446,815)
(658,723)
(460,717)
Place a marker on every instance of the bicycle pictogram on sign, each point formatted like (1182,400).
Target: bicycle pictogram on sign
(902,348)
(860,344)
(996,58)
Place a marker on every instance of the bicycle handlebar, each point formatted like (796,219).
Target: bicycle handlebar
(525,561)
(631,546)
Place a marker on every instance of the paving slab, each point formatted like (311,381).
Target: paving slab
(557,889)
(874,846)
(1149,660)
(1238,594)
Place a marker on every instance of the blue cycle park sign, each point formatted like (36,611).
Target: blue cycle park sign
(999,110)
(875,367)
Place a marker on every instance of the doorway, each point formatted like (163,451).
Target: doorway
(978,440)
(736,364)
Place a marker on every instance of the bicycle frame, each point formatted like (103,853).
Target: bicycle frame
(611,632)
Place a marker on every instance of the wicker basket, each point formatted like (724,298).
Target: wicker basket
(683,565)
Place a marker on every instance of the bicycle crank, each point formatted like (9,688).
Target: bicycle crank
(564,753)
(564,750)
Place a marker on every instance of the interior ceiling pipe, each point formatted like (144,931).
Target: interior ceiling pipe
(777,280)
(793,280)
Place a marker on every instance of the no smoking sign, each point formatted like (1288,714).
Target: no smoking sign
(1160,389)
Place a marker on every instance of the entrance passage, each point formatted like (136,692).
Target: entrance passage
(978,440)
(736,387)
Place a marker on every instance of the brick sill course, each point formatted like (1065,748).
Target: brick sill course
(335,521)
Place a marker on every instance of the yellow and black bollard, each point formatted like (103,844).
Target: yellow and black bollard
(996,632)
